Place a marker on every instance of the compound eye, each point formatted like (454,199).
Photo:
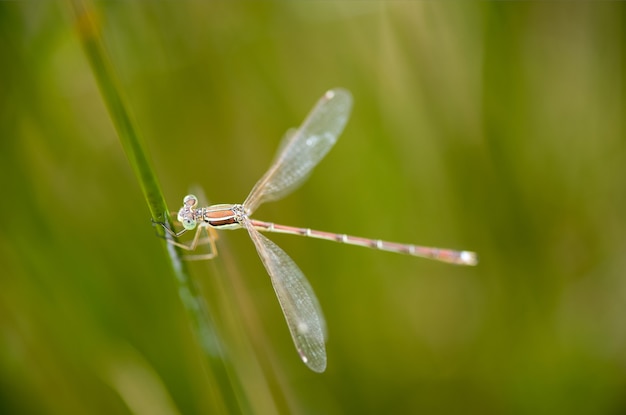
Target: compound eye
(190,201)
(188,223)
(181,215)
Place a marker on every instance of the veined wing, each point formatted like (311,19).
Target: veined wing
(295,295)
(301,150)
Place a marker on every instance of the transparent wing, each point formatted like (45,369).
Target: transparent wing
(301,150)
(295,295)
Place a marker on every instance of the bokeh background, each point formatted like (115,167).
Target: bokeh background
(491,126)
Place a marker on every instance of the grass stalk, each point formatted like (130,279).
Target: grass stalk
(230,390)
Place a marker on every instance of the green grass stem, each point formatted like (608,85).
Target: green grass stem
(230,389)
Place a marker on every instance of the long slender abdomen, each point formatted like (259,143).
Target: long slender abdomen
(444,255)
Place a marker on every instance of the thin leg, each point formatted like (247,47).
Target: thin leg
(209,239)
(168,230)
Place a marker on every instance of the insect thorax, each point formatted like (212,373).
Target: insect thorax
(223,216)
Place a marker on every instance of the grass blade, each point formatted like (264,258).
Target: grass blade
(230,389)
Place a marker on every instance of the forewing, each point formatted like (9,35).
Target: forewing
(297,300)
(302,150)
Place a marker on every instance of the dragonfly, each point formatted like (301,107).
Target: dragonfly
(299,152)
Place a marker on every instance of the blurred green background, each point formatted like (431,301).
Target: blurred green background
(495,127)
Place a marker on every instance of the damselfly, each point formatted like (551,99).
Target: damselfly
(299,152)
